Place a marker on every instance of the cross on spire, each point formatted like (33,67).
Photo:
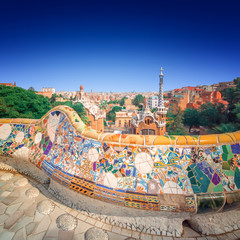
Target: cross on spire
(161,74)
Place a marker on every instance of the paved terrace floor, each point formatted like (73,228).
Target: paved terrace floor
(26,213)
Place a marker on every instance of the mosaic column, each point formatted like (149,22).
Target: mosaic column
(160,97)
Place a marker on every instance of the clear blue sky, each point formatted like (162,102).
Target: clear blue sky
(118,45)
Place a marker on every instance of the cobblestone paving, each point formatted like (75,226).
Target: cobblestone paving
(21,219)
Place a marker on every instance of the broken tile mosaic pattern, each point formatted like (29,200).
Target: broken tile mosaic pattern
(129,175)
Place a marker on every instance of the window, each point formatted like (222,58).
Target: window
(148,132)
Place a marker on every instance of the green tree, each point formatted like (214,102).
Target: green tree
(232,96)
(111,114)
(78,107)
(53,98)
(224,128)
(191,117)
(153,110)
(175,124)
(138,100)
(31,89)
(103,105)
(122,101)
(16,102)
(237,81)
(114,102)
(236,111)
(212,114)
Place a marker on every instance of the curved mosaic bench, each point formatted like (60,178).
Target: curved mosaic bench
(196,174)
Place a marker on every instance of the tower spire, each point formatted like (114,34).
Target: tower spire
(160,96)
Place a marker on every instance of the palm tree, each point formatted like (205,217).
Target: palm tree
(224,128)
(79,108)
(103,105)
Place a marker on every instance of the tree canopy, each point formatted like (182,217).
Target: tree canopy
(209,115)
(191,118)
(232,95)
(224,128)
(138,100)
(31,89)
(103,105)
(16,102)
(111,114)
(78,107)
(53,98)
(122,101)
(175,124)
(114,102)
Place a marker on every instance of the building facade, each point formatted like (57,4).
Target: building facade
(48,89)
(148,123)
(94,114)
(9,84)
(153,102)
(123,119)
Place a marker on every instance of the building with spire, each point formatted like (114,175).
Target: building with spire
(148,123)
(95,115)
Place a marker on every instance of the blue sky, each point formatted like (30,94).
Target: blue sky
(118,45)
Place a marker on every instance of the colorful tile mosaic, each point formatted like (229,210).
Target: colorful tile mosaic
(133,176)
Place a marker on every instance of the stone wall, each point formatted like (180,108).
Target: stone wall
(159,173)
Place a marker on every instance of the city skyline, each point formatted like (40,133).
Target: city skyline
(118,46)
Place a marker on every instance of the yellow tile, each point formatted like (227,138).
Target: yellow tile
(91,134)
(149,139)
(232,136)
(16,120)
(208,139)
(132,139)
(5,120)
(162,140)
(181,140)
(224,138)
(112,137)
(81,129)
(76,125)
(237,135)
(191,140)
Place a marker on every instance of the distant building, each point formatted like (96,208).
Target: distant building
(81,95)
(211,97)
(179,101)
(9,84)
(127,101)
(66,94)
(208,88)
(128,104)
(148,123)
(48,89)
(123,119)
(214,97)
(46,92)
(153,102)
(193,97)
(61,99)
(223,85)
(94,114)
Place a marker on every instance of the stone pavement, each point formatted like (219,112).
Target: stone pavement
(29,211)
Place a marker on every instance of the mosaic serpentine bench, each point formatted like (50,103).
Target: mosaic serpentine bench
(195,174)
